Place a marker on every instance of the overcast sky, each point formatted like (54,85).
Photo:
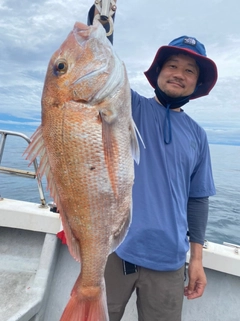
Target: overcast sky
(31,30)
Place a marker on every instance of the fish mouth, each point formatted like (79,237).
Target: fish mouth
(81,32)
(79,26)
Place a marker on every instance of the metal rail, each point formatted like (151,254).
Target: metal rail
(19,172)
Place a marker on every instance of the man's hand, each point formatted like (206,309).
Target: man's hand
(196,274)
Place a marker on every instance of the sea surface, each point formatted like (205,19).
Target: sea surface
(224,212)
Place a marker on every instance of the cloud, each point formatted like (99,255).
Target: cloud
(32,30)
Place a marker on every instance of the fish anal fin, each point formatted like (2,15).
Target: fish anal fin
(120,234)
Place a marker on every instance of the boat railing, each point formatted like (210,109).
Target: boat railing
(20,172)
(236,247)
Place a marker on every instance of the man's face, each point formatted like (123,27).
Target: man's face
(178,76)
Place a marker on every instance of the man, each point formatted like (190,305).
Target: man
(170,194)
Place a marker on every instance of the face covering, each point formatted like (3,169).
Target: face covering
(173,103)
(169,103)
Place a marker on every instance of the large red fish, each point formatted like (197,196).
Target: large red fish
(86,143)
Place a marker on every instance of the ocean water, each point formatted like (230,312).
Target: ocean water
(224,212)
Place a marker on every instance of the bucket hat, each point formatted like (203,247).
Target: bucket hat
(194,48)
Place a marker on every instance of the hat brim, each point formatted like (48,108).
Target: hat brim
(208,69)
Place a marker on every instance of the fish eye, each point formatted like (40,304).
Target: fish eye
(61,66)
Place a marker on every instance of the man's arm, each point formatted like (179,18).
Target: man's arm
(196,274)
(197,213)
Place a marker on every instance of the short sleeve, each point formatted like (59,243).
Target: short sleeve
(202,184)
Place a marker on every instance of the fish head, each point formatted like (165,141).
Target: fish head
(81,66)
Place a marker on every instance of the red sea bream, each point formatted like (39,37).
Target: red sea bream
(86,143)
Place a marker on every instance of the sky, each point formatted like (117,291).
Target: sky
(32,30)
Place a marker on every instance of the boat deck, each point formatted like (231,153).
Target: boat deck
(27,262)
(37,272)
(20,253)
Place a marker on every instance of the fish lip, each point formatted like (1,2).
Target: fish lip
(79,26)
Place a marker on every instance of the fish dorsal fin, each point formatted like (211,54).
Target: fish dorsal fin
(37,149)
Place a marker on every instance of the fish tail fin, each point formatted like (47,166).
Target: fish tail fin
(94,309)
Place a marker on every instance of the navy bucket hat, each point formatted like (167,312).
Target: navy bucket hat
(192,47)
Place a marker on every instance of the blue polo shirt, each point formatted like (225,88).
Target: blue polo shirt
(168,174)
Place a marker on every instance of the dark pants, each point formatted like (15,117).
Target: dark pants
(159,294)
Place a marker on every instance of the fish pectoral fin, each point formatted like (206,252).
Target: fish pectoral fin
(111,152)
(108,115)
(120,234)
